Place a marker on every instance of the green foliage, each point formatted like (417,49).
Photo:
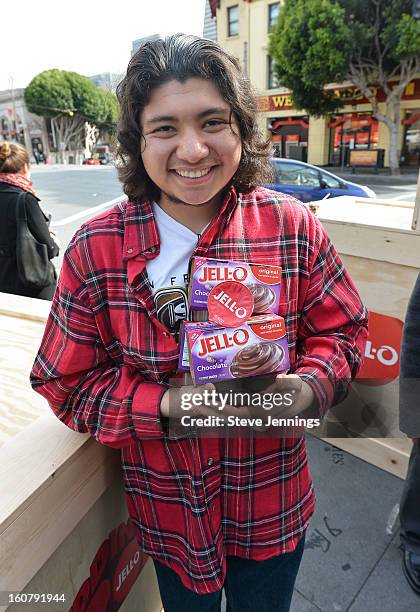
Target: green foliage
(110,109)
(317,42)
(311,46)
(408,38)
(49,94)
(58,92)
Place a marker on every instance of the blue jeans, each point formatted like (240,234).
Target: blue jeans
(410,504)
(250,586)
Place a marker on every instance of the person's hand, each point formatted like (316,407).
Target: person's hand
(171,404)
(301,394)
(290,387)
(55,238)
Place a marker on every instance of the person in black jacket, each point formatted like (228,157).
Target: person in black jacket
(14,178)
(410,424)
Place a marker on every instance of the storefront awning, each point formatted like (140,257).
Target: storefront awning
(410,120)
(278,123)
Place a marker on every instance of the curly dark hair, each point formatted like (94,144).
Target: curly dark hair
(180,57)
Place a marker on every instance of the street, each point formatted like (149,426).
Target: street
(73,194)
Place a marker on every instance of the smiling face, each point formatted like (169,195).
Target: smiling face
(192,145)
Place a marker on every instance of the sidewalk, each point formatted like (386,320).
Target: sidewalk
(384,177)
(350,563)
(65,167)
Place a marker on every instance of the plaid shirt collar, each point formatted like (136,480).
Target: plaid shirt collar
(141,236)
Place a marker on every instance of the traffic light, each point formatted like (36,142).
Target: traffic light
(70,113)
(415,9)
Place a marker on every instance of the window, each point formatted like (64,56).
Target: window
(295,174)
(272,80)
(330,181)
(273,13)
(233,20)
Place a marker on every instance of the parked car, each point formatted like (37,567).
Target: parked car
(91,161)
(103,152)
(308,183)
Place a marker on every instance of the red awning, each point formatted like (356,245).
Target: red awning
(277,123)
(411,119)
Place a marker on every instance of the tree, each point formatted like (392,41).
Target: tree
(375,44)
(110,117)
(70,100)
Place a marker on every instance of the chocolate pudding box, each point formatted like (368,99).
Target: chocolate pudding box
(184,358)
(263,280)
(255,348)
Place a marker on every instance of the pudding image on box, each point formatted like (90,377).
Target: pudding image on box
(255,348)
(263,280)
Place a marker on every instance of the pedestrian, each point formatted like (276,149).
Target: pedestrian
(211,512)
(15,181)
(410,424)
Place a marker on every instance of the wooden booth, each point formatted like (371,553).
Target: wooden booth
(64,526)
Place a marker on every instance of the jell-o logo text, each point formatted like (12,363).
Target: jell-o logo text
(231,304)
(219,274)
(219,342)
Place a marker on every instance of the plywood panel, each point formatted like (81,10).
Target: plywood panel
(19,405)
(384,287)
(381,244)
(389,454)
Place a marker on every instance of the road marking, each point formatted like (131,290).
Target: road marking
(89,212)
(405,195)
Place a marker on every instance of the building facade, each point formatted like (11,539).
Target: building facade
(243,28)
(17,124)
(136,44)
(209,27)
(107,80)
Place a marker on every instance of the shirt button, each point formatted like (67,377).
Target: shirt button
(210,461)
(166,334)
(129,250)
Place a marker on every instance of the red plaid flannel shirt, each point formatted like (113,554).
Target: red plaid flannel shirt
(105,359)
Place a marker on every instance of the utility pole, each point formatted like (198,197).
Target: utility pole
(416,214)
(12,92)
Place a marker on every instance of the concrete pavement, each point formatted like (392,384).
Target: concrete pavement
(350,563)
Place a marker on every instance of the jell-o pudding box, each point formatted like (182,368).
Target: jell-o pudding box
(255,348)
(263,280)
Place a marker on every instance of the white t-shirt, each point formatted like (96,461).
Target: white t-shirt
(168,272)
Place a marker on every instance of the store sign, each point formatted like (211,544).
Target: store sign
(353,94)
(382,353)
(114,570)
(356,95)
(272,103)
(363,157)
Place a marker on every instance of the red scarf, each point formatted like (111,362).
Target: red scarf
(18,180)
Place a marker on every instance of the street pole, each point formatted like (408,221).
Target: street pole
(12,91)
(416,214)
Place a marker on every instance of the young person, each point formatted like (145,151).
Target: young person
(211,512)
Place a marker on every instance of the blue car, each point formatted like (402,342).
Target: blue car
(309,183)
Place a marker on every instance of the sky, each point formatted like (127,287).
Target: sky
(86,36)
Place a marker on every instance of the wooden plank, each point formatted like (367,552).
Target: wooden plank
(20,406)
(381,244)
(24,308)
(53,496)
(390,454)
(30,459)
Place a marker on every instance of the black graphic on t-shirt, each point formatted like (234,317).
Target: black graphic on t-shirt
(174,280)
(172,307)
